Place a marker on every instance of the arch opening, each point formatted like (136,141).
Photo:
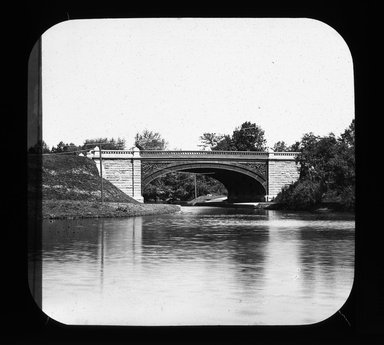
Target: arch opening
(242,184)
(183,186)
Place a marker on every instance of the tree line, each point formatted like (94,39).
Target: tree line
(247,137)
(61,147)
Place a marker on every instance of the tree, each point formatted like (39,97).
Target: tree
(280,146)
(348,137)
(301,194)
(107,144)
(59,148)
(210,140)
(327,171)
(294,147)
(249,137)
(62,147)
(149,140)
(225,144)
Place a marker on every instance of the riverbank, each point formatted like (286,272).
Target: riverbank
(257,205)
(325,207)
(322,207)
(69,209)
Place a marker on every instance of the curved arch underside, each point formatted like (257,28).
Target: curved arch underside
(242,184)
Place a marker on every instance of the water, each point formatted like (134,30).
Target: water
(203,266)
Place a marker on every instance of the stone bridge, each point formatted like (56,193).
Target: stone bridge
(247,175)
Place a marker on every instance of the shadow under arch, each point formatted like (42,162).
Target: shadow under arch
(242,184)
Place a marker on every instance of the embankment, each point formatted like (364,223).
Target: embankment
(69,186)
(59,209)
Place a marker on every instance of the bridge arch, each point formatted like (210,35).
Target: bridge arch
(242,183)
(247,175)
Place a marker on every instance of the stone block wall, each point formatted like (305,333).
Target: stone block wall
(280,174)
(125,174)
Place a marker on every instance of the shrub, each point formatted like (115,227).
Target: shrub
(301,195)
(347,198)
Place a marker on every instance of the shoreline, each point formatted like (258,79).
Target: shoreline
(324,207)
(75,209)
(72,209)
(255,205)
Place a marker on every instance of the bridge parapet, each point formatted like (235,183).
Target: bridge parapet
(162,154)
(121,154)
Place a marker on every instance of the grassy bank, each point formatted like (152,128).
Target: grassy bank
(76,178)
(60,209)
(69,187)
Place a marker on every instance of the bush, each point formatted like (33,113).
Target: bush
(301,195)
(347,198)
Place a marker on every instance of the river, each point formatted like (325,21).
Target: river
(202,266)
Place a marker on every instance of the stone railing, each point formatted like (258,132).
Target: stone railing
(286,154)
(162,154)
(146,154)
(200,153)
(95,153)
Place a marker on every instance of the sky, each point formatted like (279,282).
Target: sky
(184,77)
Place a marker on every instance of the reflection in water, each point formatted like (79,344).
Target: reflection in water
(202,266)
(327,259)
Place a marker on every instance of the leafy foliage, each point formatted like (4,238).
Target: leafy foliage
(176,186)
(280,146)
(247,137)
(301,194)
(62,147)
(149,140)
(210,139)
(294,147)
(106,144)
(348,137)
(327,171)
(225,144)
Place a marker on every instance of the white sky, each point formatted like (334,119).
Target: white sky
(183,77)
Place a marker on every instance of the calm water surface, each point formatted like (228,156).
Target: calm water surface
(203,266)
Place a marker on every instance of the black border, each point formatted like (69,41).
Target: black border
(25,323)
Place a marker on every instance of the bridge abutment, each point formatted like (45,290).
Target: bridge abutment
(122,170)
(280,174)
